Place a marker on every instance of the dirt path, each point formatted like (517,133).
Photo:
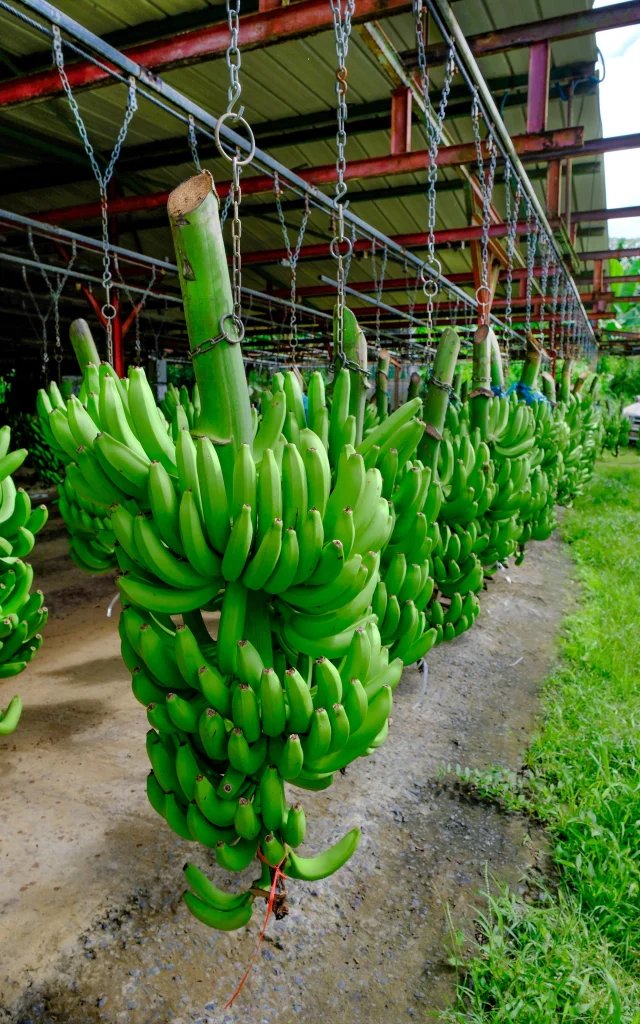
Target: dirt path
(90,880)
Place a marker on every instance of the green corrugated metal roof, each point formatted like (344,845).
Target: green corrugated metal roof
(283,81)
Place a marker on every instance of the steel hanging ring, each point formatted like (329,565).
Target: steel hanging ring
(109,311)
(335,251)
(243,123)
(237,323)
(430,288)
(483,288)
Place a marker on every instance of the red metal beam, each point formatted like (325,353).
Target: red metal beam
(415,240)
(608,254)
(282,24)
(401,101)
(539,146)
(615,213)
(566,26)
(538,90)
(554,178)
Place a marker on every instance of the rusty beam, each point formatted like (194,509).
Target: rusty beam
(608,254)
(539,145)
(565,26)
(538,91)
(554,179)
(401,101)
(266,28)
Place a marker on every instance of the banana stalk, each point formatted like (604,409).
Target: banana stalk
(414,386)
(83,344)
(382,384)
(435,405)
(532,360)
(481,395)
(565,379)
(497,370)
(225,416)
(548,386)
(355,350)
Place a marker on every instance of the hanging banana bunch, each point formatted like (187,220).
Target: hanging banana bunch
(85,492)
(458,491)
(280,524)
(22,614)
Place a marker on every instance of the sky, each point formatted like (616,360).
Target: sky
(620,111)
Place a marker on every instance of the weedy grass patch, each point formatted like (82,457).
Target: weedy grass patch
(574,955)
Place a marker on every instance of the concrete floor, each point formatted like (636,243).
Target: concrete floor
(93,926)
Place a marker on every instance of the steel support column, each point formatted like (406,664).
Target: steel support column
(538,91)
(401,103)
(554,179)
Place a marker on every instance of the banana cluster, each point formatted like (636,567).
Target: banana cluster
(301,541)
(338,545)
(583,420)
(22,614)
(190,403)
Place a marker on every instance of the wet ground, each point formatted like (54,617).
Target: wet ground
(92,926)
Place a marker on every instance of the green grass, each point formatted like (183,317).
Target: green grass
(574,955)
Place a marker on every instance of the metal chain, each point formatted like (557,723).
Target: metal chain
(226,207)
(293,256)
(545,251)
(233,58)
(137,305)
(456,310)
(511,211)
(483,292)
(413,294)
(434,130)
(574,327)
(532,235)
(43,323)
(342,33)
(54,293)
(193,144)
(235,333)
(378,282)
(563,319)
(102,177)
(554,307)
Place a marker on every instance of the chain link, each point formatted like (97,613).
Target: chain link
(342,33)
(533,228)
(554,308)
(193,144)
(226,207)
(483,293)
(545,252)
(234,197)
(574,326)
(233,58)
(413,294)
(563,319)
(433,123)
(102,177)
(137,305)
(511,211)
(292,257)
(378,283)
(54,306)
